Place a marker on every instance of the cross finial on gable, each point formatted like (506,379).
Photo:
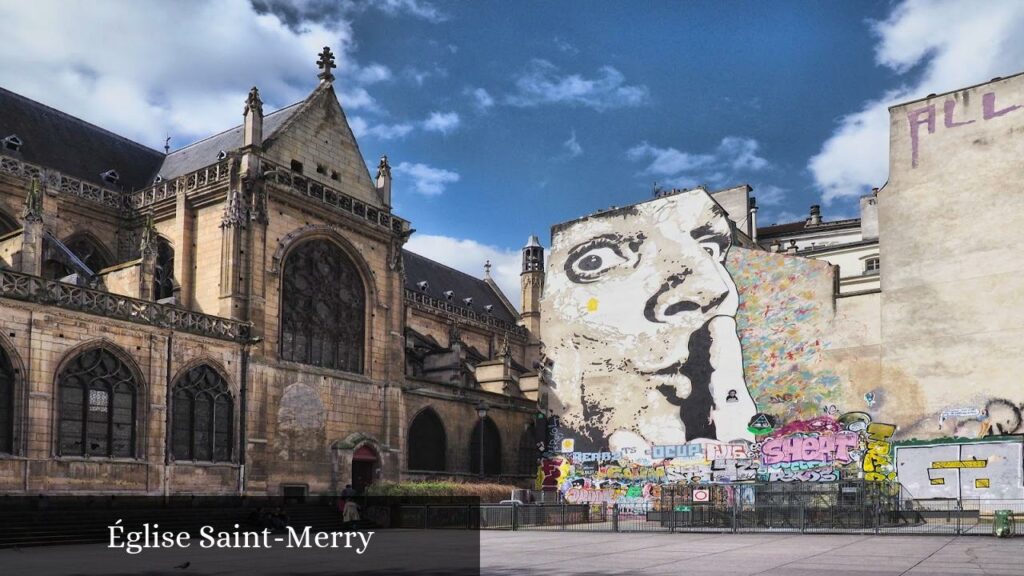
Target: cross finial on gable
(487,269)
(326,63)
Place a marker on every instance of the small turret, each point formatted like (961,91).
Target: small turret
(533,256)
(532,282)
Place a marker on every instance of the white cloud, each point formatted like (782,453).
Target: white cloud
(572,146)
(443,122)
(419,75)
(947,45)
(481,98)
(743,153)
(356,98)
(668,161)
(418,8)
(469,256)
(426,180)
(732,155)
(373,74)
(542,83)
(733,161)
(769,195)
(361,128)
(565,46)
(144,69)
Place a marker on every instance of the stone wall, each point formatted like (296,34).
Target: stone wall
(952,310)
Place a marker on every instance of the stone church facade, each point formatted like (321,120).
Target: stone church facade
(240,316)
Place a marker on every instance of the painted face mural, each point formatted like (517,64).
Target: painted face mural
(640,326)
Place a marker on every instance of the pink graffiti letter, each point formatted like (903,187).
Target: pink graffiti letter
(844,442)
(947,108)
(915,120)
(988,107)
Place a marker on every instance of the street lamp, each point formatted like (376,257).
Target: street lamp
(481,412)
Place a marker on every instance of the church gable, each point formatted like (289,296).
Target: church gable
(318,141)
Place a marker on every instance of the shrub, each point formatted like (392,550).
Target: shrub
(486,492)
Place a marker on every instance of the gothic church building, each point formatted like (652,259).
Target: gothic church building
(239,316)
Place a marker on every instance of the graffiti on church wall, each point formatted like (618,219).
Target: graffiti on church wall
(988,468)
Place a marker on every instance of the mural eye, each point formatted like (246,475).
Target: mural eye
(590,262)
(714,249)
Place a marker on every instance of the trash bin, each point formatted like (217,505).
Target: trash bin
(1003,524)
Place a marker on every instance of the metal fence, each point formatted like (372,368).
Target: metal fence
(842,507)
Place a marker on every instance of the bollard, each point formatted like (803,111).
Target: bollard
(615,517)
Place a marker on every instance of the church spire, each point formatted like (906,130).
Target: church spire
(326,63)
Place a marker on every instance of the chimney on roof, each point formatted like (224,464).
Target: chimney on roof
(815,218)
(752,221)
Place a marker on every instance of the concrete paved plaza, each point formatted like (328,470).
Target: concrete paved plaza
(407,552)
(550,554)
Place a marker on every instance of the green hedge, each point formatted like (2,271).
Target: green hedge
(486,492)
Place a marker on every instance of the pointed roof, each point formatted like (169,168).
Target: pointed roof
(57,140)
(204,152)
(441,278)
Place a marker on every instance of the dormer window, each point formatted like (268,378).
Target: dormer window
(467,301)
(335,175)
(423,285)
(449,294)
(110,177)
(222,155)
(158,179)
(321,169)
(12,142)
(488,308)
(296,166)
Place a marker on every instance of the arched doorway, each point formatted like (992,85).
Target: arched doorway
(364,464)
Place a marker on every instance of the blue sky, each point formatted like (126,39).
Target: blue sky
(503,118)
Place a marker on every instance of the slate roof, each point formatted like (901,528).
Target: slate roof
(802,226)
(441,278)
(54,139)
(204,152)
(73,146)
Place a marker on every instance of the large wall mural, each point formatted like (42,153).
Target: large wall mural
(640,323)
(677,357)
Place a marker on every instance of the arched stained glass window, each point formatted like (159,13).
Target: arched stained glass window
(323,307)
(6,404)
(163,279)
(97,406)
(202,416)
(427,445)
(491,448)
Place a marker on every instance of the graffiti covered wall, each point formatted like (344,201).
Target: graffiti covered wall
(677,357)
(989,468)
